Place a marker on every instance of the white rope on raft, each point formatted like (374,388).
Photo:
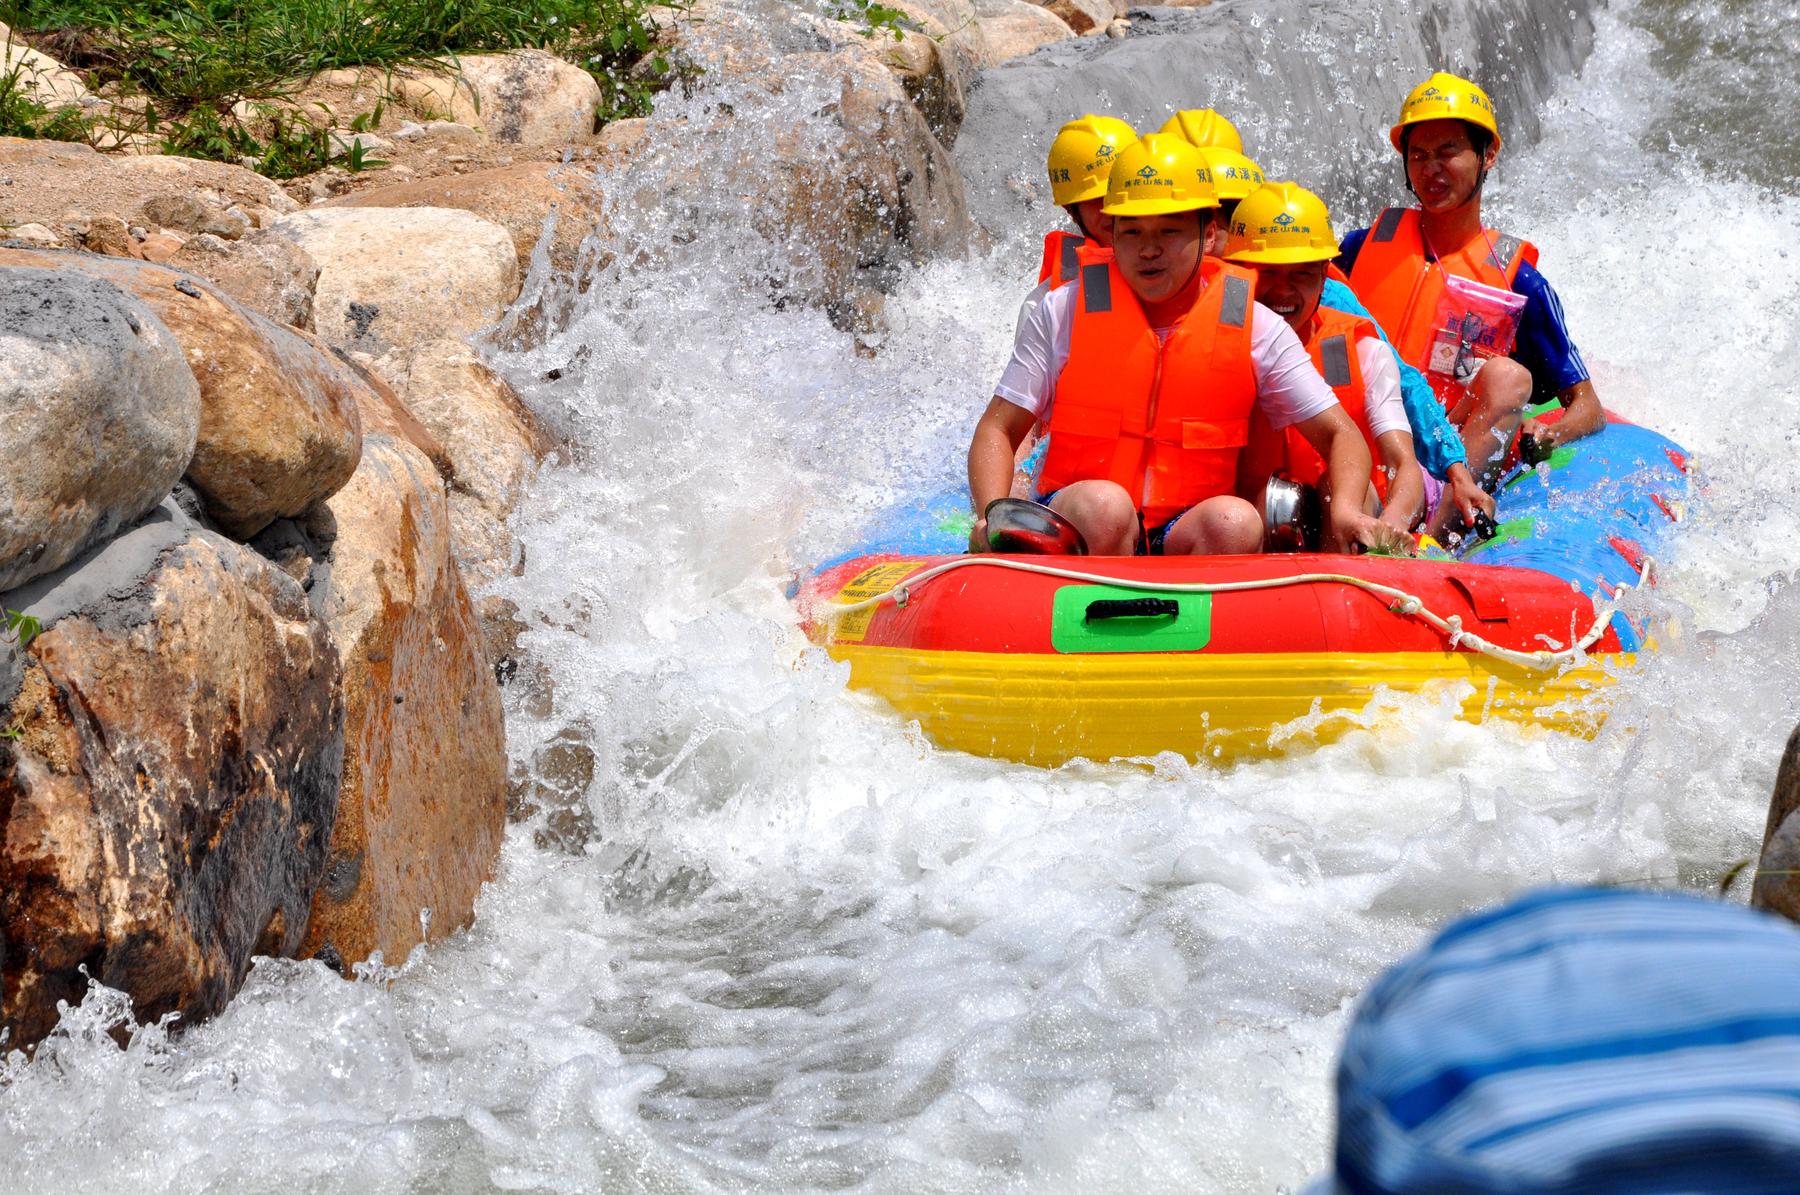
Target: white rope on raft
(1404,603)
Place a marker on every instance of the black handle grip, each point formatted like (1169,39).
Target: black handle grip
(1485,528)
(1148,607)
(1532,450)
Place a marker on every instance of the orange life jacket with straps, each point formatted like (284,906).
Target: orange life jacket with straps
(1164,418)
(1065,254)
(1404,290)
(1332,338)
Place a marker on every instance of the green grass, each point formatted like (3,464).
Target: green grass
(190,61)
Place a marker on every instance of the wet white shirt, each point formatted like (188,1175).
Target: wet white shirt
(1382,403)
(1288,388)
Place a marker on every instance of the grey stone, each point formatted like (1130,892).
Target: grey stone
(98,416)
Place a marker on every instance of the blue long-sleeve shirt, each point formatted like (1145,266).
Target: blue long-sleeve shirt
(1435,440)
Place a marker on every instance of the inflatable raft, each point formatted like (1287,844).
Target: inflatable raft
(1044,659)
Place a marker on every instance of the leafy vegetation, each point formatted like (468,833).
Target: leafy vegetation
(206,75)
(876,18)
(22,116)
(18,627)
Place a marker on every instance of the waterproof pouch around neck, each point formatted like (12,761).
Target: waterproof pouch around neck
(1474,322)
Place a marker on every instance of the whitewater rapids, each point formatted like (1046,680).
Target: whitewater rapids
(803,949)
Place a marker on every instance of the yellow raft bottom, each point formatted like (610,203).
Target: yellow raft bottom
(1049,709)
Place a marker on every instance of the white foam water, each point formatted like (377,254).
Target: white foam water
(802,948)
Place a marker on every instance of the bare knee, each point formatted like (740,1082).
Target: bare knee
(1503,386)
(1103,512)
(1221,526)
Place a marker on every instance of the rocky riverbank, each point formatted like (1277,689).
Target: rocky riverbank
(258,474)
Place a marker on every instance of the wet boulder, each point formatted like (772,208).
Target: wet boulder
(170,781)
(849,181)
(98,416)
(494,443)
(278,427)
(424,794)
(1777,887)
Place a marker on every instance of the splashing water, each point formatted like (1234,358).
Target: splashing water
(801,947)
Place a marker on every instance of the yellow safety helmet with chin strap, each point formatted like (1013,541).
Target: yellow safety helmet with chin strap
(1445,97)
(1159,176)
(1234,176)
(1280,224)
(1082,156)
(1201,127)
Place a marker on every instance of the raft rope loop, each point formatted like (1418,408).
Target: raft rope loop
(1401,602)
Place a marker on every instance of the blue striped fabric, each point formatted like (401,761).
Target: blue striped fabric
(1586,1040)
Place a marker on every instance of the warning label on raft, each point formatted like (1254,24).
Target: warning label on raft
(871,582)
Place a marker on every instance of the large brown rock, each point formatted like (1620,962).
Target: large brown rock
(52,180)
(1777,887)
(1088,18)
(1016,28)
(523,97)
(518,198)
(936,59)
(167,801)
(269,274)
(98,415)
(393,278)
(424,795)
(278,422)
(494,443)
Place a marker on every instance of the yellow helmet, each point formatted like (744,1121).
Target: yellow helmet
(1201,127)
(1234,176)
(1280,224)
(1082,155)
(1158,176)
(1445,97)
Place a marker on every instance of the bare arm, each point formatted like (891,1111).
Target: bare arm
(1582,416)
(998,434)
(1347,463)
(1406,481)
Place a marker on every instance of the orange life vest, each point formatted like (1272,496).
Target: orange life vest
(1332,337)
(1065,254)
(1165,419)
(1401,287)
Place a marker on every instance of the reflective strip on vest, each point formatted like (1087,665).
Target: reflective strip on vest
(1096,288)
(1069,263)
(1389,224)
(1235,306)
(1335,352)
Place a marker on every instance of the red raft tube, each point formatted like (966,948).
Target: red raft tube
(1046,659)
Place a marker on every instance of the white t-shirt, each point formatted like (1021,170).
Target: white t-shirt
(1030,305)
(1382,403)
(1288,388)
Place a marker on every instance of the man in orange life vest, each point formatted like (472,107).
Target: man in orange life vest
(1463,302)
(1283,232)
(1146,372)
